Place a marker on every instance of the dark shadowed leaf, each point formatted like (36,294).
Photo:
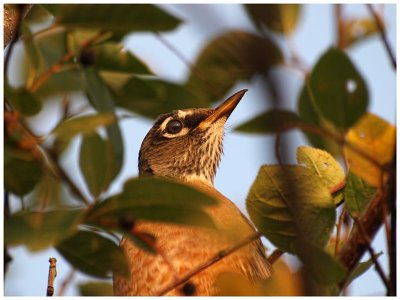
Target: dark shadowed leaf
(156,199)
(232,56)
(95,163)
(151,98)
(320,266)
(102,100)
(308,114)
(22,171)
(291,202)
(116,17)
(94,255)
(22,101)
(272,121)
(82,125)
(38,231)
(282,18)
(357,194)
(111,57)
(96,288)
(338,91)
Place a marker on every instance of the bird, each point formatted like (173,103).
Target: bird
(186,145)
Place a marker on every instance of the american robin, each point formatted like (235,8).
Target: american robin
(186,145)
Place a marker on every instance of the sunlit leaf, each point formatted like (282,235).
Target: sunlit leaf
(309,115)
(156,199)
(358,29)
(232,56)
(22,171)
(82,125)
(96,288)
(151,98)
(282,18)
(337,89)
(283,282)
(95,163)
(121,17)
(38,231)
(94,255)
(289,202)
(272,121)
(324,166)
(376,138)
(235,284)
(102,100)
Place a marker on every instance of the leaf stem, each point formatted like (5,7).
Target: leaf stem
(67,280)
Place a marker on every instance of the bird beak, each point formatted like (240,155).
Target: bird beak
(223,110)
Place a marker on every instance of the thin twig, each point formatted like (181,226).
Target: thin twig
(52,276)
(371,251)
(220,255)
(340,30)
(382,33)
(275,256)
(67,280)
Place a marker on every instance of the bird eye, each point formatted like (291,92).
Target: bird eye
(174,126)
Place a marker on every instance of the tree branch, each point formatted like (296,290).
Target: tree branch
(366,227)
(382,33)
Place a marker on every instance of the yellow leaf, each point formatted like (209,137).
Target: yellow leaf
(283,282)
(376,138)
(234,284)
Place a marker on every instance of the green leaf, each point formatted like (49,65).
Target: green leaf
(232,56)
(288,202)
(357,194)
(40,230)
(85,125)
(111,57)
(272,121)
(23,101)
(121,17)
(282,18)
(94,255)
(67,80)
(156,199)
(151,98)
(22,171)
(96,288)
(95,163)
(309,115)
(319,265)
(324,166)
(337,89)
(102,100)
(361,268)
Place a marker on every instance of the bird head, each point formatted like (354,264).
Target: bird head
(187,144)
